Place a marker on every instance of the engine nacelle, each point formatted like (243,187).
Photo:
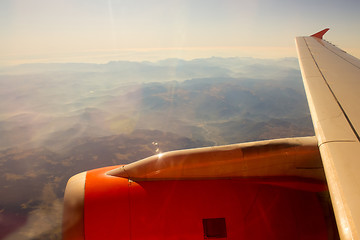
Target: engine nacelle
(262,190)
(118,208)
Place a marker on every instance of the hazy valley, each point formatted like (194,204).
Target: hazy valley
(60,119)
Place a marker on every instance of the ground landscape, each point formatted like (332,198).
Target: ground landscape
(57,120)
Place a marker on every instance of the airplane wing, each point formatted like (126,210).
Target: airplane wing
(332,83)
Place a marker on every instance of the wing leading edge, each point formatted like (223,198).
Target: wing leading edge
(332,82)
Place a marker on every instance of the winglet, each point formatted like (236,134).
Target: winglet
(320,34)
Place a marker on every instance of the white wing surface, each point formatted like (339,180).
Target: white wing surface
(332,84)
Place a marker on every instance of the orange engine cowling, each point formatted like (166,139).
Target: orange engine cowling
(100,206)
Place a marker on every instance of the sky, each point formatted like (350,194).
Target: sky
(105,30)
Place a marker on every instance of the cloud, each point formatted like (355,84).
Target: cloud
(45,221)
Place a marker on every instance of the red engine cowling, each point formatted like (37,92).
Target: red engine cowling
(100,206)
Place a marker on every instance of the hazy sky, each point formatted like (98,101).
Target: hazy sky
(103,30)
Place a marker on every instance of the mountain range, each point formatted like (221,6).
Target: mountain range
(60,119)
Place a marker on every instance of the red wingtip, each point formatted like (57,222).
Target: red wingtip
(320,34)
